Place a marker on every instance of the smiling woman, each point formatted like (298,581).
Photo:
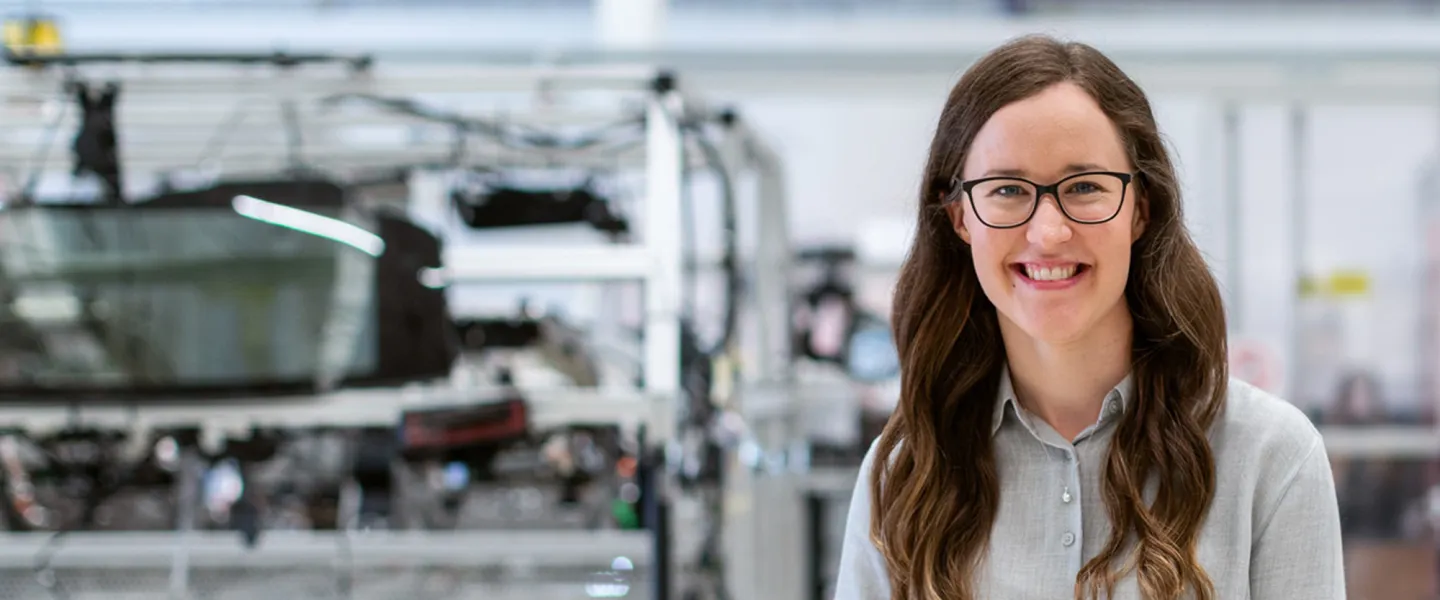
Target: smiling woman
(1067,426)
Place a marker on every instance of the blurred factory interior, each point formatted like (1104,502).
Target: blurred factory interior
(589,298)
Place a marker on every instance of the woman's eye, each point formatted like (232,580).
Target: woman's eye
(1084,187)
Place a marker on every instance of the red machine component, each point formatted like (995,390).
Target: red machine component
(456,427)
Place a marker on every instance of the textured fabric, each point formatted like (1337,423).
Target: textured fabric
(1273,530)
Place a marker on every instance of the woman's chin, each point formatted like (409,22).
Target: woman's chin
(1055,326)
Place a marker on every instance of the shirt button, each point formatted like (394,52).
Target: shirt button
(1068,539)
(1065,496)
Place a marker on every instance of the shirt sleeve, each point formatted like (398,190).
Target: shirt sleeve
(862,574)
(1298,552)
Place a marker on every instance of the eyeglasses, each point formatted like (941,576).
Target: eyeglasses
(1005,202)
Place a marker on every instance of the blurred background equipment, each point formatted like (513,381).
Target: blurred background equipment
(255,321)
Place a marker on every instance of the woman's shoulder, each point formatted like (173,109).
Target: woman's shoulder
(1262,436)
(1261,417)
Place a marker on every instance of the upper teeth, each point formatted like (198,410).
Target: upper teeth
(1050,273)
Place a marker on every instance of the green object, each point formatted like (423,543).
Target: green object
(625,515)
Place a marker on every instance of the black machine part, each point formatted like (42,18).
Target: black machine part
(562,345)
(508,206)
(832,327)
(96,149)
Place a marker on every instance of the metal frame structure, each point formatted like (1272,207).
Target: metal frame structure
(378,407)
(165,132)
(355,565)
(150,124)
(654,262)
(211,549)
(263,118)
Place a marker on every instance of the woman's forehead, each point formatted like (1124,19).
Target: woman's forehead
(1046,135)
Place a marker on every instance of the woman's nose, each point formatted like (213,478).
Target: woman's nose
(1049,226)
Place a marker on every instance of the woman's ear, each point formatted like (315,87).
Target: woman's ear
(1141,217)
(956,212)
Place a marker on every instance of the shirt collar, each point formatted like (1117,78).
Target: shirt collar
(1116,402)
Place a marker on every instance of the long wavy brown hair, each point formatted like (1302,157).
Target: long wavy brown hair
(936,484)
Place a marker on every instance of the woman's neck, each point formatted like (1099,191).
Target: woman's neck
(1066,383)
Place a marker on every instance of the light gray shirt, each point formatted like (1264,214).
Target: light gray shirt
(1273,530)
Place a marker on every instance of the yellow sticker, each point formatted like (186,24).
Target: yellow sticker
(1349,283)
(33,35)
(1338,284)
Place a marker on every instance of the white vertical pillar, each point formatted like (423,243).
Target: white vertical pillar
(664,286)
(1294,387)
(663,289)
(1428,365)
(772,259)
(1234,217)
(630,24)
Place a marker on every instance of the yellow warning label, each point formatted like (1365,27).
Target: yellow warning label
(1338,284)
(32,35)
(1349,283)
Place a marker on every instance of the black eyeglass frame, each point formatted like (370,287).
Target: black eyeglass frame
(1040,191)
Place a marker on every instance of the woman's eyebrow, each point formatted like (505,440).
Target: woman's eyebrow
(1071,168)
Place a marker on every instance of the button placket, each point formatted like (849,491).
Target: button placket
(1071,509)
(1065,496)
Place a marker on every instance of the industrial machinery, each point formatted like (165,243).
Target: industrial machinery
(243,353)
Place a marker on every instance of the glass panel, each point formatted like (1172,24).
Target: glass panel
(115,298)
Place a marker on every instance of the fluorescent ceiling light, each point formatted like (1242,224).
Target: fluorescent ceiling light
(307,222)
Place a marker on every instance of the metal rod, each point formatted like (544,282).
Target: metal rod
(379,407)
(815,555)
(772,260)
(658,514)
(662,228)
(523,549)
(228,82)
(1428,364)
(653,514)
(1234,213)
(1299,223)
(187,496)
(279,59)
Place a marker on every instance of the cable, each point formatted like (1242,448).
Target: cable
(513,135)
(697,359)
(220,137)
(730,261)
(344,577)
(32,181)
(294,138)
(44,574)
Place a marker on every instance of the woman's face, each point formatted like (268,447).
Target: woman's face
(1053,279)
